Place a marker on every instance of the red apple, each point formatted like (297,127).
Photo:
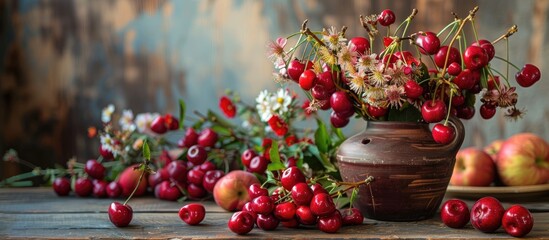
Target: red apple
(523,160)
(473,167)
(517,221)
(231,191)
(128,180)
(454,213)
(486,214)
(493,148)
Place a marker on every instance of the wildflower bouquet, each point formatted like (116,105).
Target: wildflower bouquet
(419,77)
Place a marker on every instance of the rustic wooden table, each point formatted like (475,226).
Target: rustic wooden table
(39,213)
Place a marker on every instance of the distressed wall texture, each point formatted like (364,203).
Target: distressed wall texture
(62,61)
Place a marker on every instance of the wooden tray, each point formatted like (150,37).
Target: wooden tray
(516,193)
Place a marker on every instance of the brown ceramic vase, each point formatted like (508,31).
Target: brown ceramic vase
(411,171)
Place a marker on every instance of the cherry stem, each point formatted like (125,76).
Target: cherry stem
(512,30)
(137,185)
(352,185)
(461,25)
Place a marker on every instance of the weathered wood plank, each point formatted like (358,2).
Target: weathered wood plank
(38,213)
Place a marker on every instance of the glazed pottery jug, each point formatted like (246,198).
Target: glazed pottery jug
(411,171)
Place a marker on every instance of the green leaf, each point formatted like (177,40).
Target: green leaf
(181,113)
(146,151)
(322,140)
(221,130)
(339,133)
(321,158)
(275,164)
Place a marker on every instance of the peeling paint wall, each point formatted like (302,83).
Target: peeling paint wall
(63,61)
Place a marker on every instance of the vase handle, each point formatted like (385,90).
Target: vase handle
(455,144)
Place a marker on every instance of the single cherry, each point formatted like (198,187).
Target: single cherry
(190,138)
(247,157)
(305,216)
(330,223)
(302,194)
(171,122)
(339,101)
(290,177)
(255,190)
(192,213)
(197,155)
(241,222)
(359,45)
(114,190)
(487,214)
(263,205)
(95,169)
(443,134)
(158,125)
(120,215)
(487,46)
(105,153)
(454,69)
(386,17)
(453,57)
(307,80)
(454,213)
(195,176)
(100,188)
(413,89)
(487,111)
(62,186)
(317,188)
(210,179)
(267,222)
(433,111)
(475,57)
(465,112)
(352,216)
(322,204)
(428,43)
(465,79)
(83,187)
(177,170)
(207,138)
(258,164)
(285,211)
(337,120)
(377,112)
(517,221)
(195,191)
(528,75)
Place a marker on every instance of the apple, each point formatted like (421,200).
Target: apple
(487,214)
(523,160)
(517,221)
(493,148)
(454,213)
(231,191)
(128,180)
(473,167)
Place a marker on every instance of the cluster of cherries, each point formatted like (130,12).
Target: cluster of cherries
(94,184)
(163,124)
(487,215)
(294,203)
(468,71)
(195,177)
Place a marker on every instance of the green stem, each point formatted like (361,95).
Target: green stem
(136,186)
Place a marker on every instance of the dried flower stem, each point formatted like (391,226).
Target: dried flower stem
(461,25)
(512,30)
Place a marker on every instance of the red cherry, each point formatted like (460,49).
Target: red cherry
(106,154)
(195,176)
(255,190)
(258,164)
(248,208)
(454,69)
(359,45)
(120,215)
(247,157)
(192,213)
(100,188)
(487,46)
(62,186)
(167,191)
(285,211)
(190,138)
(302,194)
(207,138)
(325,79)
(493,82)
(267,222)
(317,188)
(517,221)
(241,222)
(377,112)
(263,205)
(295,69)
(387,41)
(158,125)
(386,17)
(465,80)
(428,43)
(171,122)
(158,177)
(528,75)
(114,190)
(465,112)
(475,57)
(433,111)
(338,121)
(207,166)
(305,216)
(413,89)
(487,214)
(458,100)
(453,57)
(290,177)
(330,223)
(210,178)
(95,169)
(195,191)
(454,213)
(177,170)
(83,187)
(351,216)
(320,93)
(197,155)
(443,134)
(322,205)
(487,111)
(307,80)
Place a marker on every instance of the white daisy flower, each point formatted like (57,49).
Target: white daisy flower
(126,121)
(143,122)
(264,106)
(107,113)
(281,101)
